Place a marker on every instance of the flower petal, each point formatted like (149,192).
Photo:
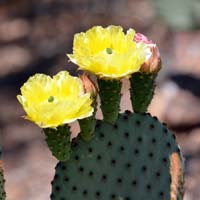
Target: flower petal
(108,52)
(67,103)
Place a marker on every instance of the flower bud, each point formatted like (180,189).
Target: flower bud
(139,37)
(152,62)
(89,86)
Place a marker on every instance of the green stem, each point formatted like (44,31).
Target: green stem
(142,90)
(109,92)
(58,141)
(87,125)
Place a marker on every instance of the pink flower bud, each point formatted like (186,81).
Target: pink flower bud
(139,37)
(88,85)
(152,63)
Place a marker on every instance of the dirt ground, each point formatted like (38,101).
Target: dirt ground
(35,38)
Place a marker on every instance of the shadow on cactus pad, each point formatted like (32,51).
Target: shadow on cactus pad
(137,158)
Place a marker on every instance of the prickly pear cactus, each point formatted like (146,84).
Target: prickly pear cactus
(137,158)
(129,156)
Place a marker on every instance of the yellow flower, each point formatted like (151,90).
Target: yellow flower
(108,52)
(50,102)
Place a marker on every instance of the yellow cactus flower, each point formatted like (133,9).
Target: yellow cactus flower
(108,52)
(50,102)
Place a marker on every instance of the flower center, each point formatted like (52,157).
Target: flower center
(50,99)
(109,50)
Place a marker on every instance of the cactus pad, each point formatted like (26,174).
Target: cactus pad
(87,125)
(109,92)
(137,158)
(142,90)
(58,141)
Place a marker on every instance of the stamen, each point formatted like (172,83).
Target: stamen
(109,50)
(50,99)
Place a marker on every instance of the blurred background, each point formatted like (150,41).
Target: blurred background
(36,35)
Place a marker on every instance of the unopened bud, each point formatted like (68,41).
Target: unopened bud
(139,37)
(152,62)
(88,84)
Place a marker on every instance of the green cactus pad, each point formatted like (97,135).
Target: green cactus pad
(130,160)
(58,141)
(142,90)
(87,125)
(109,92)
